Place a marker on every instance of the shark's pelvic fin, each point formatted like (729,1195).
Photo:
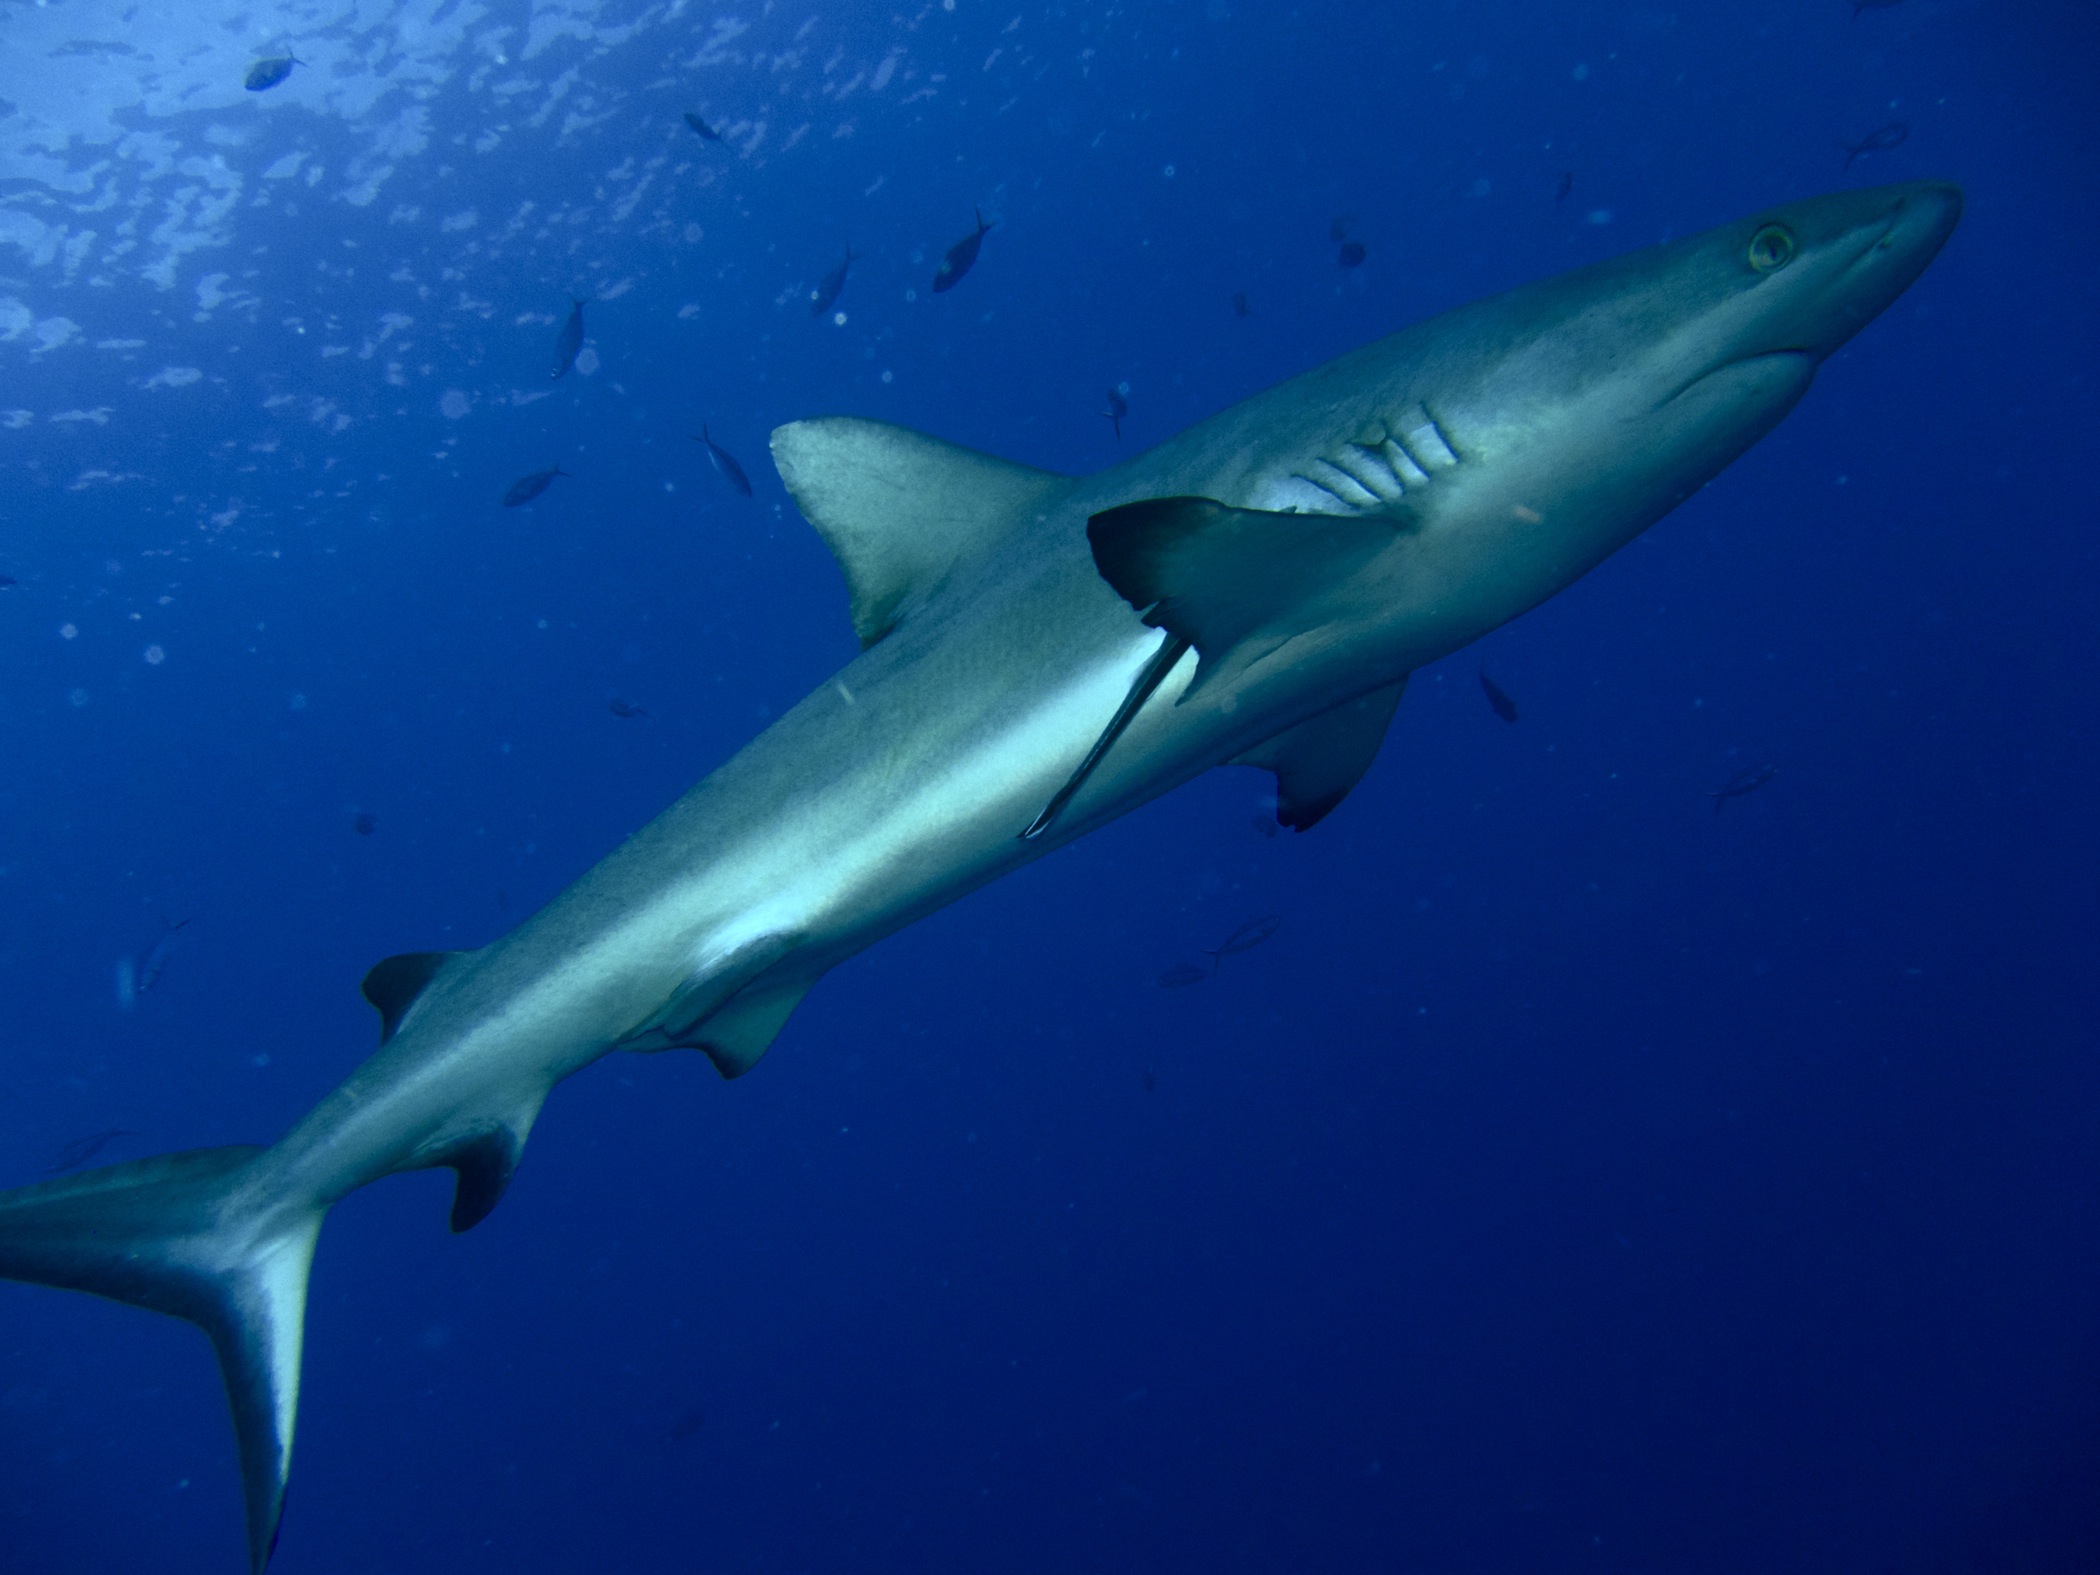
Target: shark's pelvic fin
(899,509)
(1321,759)
(177,1234)
(1217,576)
(395,982)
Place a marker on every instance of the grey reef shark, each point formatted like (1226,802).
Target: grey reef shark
(1040,654)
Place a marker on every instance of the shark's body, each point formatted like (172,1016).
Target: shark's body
(1317,543)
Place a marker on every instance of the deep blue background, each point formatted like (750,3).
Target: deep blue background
(1579,1180)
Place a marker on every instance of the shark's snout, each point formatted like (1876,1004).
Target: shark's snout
(1884,249)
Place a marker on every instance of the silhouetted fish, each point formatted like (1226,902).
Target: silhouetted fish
(1879,140)
(1565,185)
(688,1423)
(1240,308)
(961,258)
(82,1149)
(827,290)
(1748,780)
(707,132)
(1118,406)
(1338,231)
(624,708)
(6,580)
(1505,707)
(364,823)
(725,463)
(1352,254)
(136,975)
(1182,975)
(526,488)
(1245,938)
(266,74)
(568,341)
(1151,1080)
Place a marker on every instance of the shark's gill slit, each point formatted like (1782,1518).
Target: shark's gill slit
(1320,486)
(1149,678)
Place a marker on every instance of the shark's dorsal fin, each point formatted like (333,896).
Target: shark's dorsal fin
(395,982)
(1216,576)
(899,509)
(1321,759)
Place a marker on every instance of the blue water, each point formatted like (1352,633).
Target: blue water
(1578,1180)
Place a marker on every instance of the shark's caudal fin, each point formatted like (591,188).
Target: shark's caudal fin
(899,509)
(176,1234)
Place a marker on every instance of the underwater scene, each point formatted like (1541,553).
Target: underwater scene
(1176,785)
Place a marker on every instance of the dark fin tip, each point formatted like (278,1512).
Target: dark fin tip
(485,1165)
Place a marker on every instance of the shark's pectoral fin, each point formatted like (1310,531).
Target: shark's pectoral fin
(899,509)
(1217,576)
(395,982)
(1321,759)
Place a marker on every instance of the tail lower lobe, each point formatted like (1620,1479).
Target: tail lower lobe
(180,1234)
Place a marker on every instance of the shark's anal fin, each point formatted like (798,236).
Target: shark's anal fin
(395,982)
(1215,576)
(899,509)
(1150,676)
(744,1027)
(187,1234)
(485,1157)
(1321,759)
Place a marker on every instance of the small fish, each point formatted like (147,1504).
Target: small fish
(1338,231)
(725,463)
(266,74)
(1565,185)
(568,341)
(707,132)
(526,488)
(1245,938)
(1879,140)
(688,1423)
(7,580)
(82,1149)
(1498,697)
(827,290)
(1182,975)
(624,708)
(961,258)
(364,823)
(1240,308)
(1746,781)
(1352,254)
(1118,406)
(137,975)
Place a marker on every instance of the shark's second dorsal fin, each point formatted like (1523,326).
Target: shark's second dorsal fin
(1321,759)
(899,509)
(395,982)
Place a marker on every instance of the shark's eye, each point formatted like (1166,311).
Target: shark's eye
(1771,248)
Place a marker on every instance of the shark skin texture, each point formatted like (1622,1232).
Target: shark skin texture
(1041,654)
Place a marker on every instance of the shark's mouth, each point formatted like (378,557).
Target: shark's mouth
(1747,373)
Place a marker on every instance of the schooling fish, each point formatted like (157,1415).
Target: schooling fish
(1498,698)
(364,823)
(707,132)
(961,258)
(1240,308)
(7,580)
(1118,406)
(136,975)
(624,708)
(725,463)
(82,1149)
(1879,140)
(1352,254)
(526,488)
(266,74)
(1565,185)
(1245,938)
(568,341)
(1182,975)
(1746,781)
(827,290)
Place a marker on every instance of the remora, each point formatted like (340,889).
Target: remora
(1041,654)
